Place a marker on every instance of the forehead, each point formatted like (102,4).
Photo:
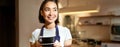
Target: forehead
(50,4)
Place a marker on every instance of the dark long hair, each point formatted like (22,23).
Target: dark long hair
(41,19)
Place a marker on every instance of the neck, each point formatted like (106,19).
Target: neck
(50,26)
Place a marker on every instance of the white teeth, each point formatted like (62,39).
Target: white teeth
(50,17)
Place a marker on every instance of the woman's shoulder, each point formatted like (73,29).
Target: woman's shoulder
(36,31)
(62,28)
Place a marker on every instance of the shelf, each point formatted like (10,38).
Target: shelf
(116,16)
(103,20)
(92,25)
(100,16)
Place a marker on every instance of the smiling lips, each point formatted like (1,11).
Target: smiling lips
(51,17)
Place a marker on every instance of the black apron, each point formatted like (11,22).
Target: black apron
(57,37)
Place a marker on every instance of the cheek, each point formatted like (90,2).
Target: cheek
(45,14)
(56,13)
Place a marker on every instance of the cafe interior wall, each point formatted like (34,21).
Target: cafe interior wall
(95,32)
(28,20)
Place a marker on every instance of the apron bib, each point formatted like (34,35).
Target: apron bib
(57,37)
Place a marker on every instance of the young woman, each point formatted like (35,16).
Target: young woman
(48,14)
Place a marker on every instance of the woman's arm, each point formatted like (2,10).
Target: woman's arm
(68,43)
(35,45)
(68,38)
(32,45)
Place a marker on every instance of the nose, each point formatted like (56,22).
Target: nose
(51,13)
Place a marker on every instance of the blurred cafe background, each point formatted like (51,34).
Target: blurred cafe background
(93,23)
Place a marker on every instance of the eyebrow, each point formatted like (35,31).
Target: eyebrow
(49,8)
(55,8)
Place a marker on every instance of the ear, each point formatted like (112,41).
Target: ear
(41,13)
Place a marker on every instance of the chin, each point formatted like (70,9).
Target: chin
(50,21)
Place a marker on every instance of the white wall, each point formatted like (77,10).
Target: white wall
(28,20)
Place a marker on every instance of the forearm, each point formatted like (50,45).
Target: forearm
(68,43)
(68,46)
(35,45)
(32,45)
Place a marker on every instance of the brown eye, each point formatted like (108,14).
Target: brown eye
(55,9)
(47,9)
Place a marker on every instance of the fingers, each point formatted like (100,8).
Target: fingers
(57,44)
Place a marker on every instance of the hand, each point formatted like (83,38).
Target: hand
(38,44)
(57,44)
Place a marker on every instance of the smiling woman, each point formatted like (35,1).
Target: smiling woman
(58,36)
(49,12)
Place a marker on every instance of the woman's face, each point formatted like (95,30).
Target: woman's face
(50,12)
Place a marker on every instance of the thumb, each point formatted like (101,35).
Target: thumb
(56,41)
